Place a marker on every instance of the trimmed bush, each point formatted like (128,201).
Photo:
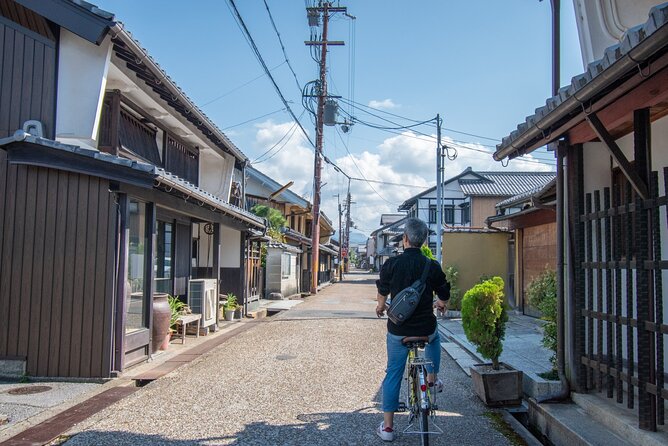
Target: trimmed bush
(484,318)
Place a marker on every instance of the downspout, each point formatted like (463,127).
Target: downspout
(561,353)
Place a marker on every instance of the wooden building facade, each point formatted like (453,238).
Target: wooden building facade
(609,127)
(102,201)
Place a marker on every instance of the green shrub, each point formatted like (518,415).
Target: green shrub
(484,318)
(426,251)
(452,276)
(275,219)
(542,294)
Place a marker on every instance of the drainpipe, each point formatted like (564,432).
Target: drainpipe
(561,353)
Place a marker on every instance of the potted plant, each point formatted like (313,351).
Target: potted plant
(230,306)
(484,320)
(176,308)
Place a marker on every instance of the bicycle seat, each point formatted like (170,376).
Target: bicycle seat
(411,341)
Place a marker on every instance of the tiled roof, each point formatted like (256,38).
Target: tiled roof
(524,196)
(204,197)
(503,184)
(269,182)
(284,247)
(643,41)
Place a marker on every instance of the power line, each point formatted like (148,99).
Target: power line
(352,158)
(271,18)
(259,160)
(241,86)
(255,119)
(389,183)
(256,51)
(357,105)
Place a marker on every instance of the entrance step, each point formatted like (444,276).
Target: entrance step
(257,314)
(619,419)
(569,424)
(12,366)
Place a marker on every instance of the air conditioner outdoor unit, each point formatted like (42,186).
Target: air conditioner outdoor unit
(203,299)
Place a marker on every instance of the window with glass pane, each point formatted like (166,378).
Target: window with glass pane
(449,215)
(466,214)
(163,261)
(136,308)
(432,213)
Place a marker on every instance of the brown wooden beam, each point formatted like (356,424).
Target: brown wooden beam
(115,121)
(638,184)
(652,92)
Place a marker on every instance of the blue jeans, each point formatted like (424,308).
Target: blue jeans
(397,353)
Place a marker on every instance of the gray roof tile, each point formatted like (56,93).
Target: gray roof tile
(503,184)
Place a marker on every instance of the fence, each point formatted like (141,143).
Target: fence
(619,297)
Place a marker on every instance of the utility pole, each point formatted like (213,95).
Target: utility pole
(324,8)
(439,190)
(340,266)
(348,203)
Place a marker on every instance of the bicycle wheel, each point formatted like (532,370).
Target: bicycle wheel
(424,427)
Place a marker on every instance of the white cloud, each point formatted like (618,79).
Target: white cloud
(385,104)
(403,159)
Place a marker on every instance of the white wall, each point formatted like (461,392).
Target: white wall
(601,23)
(215,173)
(230,248)
(82,79)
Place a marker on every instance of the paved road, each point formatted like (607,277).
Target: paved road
(310,376)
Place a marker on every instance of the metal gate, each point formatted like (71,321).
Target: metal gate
(619,295)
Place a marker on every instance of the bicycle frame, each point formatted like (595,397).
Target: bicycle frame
(420,398)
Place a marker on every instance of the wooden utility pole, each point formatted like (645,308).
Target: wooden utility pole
(340,240)
(324,8)
(348,203)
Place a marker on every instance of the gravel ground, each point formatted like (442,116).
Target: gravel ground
(308,376)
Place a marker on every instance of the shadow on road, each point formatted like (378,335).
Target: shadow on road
(354,428)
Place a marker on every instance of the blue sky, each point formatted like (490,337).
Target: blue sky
(483,65)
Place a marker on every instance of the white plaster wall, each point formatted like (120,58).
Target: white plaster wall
(601,23)
(230,248)
(215,173)
(82,78)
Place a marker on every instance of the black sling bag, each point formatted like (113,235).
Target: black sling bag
(405,302)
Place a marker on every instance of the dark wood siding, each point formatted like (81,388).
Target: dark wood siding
(57,238)
(27,78)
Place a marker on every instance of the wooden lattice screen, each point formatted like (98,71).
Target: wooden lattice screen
(255,282)
(620,297)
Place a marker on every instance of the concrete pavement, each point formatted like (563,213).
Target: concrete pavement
(310,375)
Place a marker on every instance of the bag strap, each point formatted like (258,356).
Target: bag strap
(425,273)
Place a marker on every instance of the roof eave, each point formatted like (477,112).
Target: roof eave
(118,31)
(534,135)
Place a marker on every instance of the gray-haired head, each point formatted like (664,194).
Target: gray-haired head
(416,231)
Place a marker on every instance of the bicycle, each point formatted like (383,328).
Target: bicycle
(420,400)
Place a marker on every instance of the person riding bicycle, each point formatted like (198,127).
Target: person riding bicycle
(396,274)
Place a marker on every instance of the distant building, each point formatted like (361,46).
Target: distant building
(470,197)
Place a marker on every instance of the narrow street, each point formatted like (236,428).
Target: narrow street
(309,376)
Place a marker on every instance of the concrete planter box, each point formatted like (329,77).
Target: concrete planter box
(497,387)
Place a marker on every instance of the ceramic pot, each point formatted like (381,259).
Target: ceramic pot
(162,315)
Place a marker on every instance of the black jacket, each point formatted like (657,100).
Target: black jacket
(400,272)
